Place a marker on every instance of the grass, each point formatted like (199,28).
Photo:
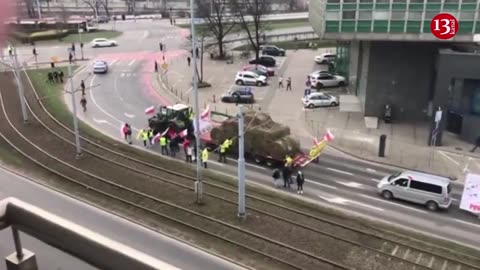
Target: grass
(294,45)
(89,36)
(269,25)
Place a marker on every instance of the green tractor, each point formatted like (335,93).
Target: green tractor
(175,117)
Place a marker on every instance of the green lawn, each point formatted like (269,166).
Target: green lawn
(87,37)
(269,25)
(294,45)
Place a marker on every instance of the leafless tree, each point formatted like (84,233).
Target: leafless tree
(203,39)
(130,6)
(93,4)
(218,20)
(250,14)
(30,6)
(63,13)
(104,4)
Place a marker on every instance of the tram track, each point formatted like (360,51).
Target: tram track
(381,250)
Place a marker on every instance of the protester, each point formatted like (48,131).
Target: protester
(300,181)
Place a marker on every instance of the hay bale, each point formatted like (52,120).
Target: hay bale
(283,146)
(253,118)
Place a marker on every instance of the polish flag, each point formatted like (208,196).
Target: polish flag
(183,134)
(315,141)
(206,113)
(150,110)
(328,136)
(158,136)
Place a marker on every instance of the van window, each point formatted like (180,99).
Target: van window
(449,189)
(403,182)
(425,187)
(395,175)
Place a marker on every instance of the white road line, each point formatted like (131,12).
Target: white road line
(467,223)
(320,184)
(188,91)
(100,121)
(339,171)
(419,258)
(145,34)
(132,62)
(129,115)
(465,169)
(367,205)
(113,62)
(444,266)
(406,254)
(376,180)
(449,158)
(392,203)
(371,170)
(394,250)
(430,264)
(122,75)
(350,184)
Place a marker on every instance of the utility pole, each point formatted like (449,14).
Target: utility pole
(198,182)
(39,9)
(80,30)
(74,106)
(21,91)
(241,164)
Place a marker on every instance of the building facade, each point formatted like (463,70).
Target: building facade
(387,51)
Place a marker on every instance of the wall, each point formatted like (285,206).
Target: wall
(400,73)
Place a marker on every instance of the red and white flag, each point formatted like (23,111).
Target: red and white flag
(328,136)
(150,110)
(206,113)
(315,141)
(157,136)
(183,134)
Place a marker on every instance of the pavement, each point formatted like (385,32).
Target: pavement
(338,181)
(162,247)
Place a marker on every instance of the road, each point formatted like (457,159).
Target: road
(161,247)
(338,181)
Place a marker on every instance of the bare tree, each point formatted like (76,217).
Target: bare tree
(93,4)
(63,13)
(131,6)
(218,20)
(203,39)
(30,8)
(250,14)
(106,7)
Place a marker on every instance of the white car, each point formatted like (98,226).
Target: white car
(325,58)
(319,100)
(100,66)
(103,42)
(250,78)
(327,80)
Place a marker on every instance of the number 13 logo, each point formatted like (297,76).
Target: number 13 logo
(444,26)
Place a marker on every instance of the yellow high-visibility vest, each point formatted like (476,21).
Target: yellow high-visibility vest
(288,160)
(150,133)
(163,141)
(145,135)
(222,148)
(140,134)
(205,155)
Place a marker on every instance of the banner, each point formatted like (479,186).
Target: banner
(205,125)
(471,194)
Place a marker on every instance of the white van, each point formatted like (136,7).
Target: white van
(429,190)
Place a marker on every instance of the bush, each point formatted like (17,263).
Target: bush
(39,36)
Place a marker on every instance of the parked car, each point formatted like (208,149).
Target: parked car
(319,99)
(264,60)
(250,78)
(325,58)
(102,19)
(319,72)
(327,80)
(272,50)
(103,42)
(243,95)
(260,70)
(100,66)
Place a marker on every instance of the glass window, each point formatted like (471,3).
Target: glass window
(383,1)
(425,187)
(364,15)
(348,15)
(333,1)
(366,1)
(417,1)
(403,182)
(349,1)
(332,16)
(467,15)
(380,15)
(415,15)
(400,1)
(434,1)
(468,1)
(398,15)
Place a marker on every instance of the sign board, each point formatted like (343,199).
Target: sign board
(471,194)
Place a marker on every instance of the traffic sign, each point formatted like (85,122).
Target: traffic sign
(444,26)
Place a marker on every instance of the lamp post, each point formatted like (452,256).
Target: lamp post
(21,92)
(74,107)
(241,164)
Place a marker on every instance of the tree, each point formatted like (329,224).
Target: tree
(30,8)
(202,41)
(250,14)
(105,3)
(217,20)
(93,4)
(131,6)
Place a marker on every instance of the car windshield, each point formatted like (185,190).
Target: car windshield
(393,176)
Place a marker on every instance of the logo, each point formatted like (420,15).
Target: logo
(444,26)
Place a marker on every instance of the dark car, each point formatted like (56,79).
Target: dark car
(273,50)
(264,60)
(102,19)
(260,70)
(243,95)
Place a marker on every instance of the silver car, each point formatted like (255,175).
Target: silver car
(100,67)
(319,100)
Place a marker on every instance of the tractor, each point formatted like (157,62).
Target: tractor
(175,117)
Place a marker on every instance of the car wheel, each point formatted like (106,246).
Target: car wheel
(282,54)
(269,163)
(324,62)
(319,85)
(112,44)
(333,104)
(259,83)
(341,83)
(311,106)
(258,159)
(236,98)
(240,82)
(387,195)
(432,206)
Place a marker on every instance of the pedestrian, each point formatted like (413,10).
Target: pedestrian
(189,60)
(73,47)
(189,153)
(174,21)
(286,176)
(173,150)
(143,134)
(477,144)
(197,52)
(185,145)
(300,181)
(83,102)
(161,46)
(275,176)
(70,58)
(289,84)
(150,136)
(308,83)
(280,82)
(50,77)
(222,157)
(60,75)
(156,66)
(163,145)
(171,21)
(205,157)
(82,87)
(55,76)
(127,133)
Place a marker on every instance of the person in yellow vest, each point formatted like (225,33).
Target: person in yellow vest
(163,145)
(288,161)
(192,115)
(143,134)
(223,151)
(150,136)
(205,157)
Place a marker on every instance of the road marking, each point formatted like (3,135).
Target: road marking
(444,265)
(128,74)
(371,170)
(374,179)
(430,264)
(339,171)
(406,254)
(145,34)
(465,169)
(122,75)
(368,206)
(395,250)
(449,158)
(188,91)
(113,62)
(392,203)
(321,184)
(129,115)
(132,62)
(99,121)
(419,258)
(467,223)
(350,184)
(337,200)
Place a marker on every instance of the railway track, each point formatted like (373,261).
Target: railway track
(378,252)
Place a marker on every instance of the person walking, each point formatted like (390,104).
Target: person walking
(477,144)
(82,87)
(197,52)
(275,176)
(143,134)
(223,151)
(156,66)
(289,84)
(300,181)
(286,176)
(161,46)
(189,154)
(70,58)
(83,102)
(73,47)
(50,77)
(55,76)
(189,60)
(150,136)
(171,145)
(163,145)
(280,82)
(60,76)
(127,133)
(205,157)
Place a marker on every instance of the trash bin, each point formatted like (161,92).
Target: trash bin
(387,113)
(381,145)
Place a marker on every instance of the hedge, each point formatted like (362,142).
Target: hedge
(39,36)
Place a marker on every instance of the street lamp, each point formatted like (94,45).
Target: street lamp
(21,92)
(241,164)
(74,106)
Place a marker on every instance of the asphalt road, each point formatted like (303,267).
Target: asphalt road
(338,181)
(162,247)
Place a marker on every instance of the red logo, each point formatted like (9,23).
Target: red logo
(444,26)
